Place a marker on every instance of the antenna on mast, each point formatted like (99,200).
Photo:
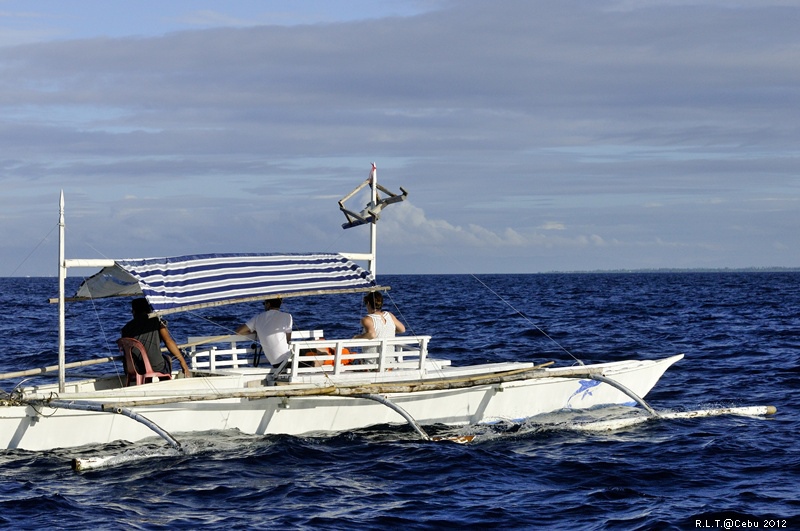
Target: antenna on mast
(370,214)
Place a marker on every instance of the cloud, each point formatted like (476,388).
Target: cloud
(210,18)
(410,225)
(521,127)
(552,225)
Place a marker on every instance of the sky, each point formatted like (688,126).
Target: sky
(531,136)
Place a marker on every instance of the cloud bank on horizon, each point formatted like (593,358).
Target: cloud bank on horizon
(531,135)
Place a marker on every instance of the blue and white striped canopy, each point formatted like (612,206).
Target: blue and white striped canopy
(190,282)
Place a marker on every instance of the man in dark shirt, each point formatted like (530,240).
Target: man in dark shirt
(151,331)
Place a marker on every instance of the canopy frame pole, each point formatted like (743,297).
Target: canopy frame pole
(63,265)
(62,275)
(373,227)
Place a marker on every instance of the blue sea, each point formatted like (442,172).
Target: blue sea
(740,333)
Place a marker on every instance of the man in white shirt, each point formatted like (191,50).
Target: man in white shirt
(273,328)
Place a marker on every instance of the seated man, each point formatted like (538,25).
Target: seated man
(150,332)
(274,330)
(378,323)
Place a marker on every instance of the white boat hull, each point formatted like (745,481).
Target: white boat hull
(44,428)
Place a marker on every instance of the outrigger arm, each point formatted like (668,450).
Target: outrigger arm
(638,399)
(394,407)
(106,408)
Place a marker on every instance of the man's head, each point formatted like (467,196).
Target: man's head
(140,306)
(374,300)
(272,304)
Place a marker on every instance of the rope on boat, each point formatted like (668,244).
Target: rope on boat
(13,273)
(537,327)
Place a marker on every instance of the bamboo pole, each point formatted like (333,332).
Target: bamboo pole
(85,363)
(279,391)
(51,368)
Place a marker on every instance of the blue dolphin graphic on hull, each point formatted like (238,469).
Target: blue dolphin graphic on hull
(585,390)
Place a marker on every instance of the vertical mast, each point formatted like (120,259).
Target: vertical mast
(62,274)
(373,227)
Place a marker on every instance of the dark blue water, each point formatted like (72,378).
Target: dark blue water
(740,333)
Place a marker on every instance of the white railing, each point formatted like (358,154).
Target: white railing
(339,356)
(238,350)
(313,355)
(207,354)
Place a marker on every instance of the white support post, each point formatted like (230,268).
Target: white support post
(63,266)
(373,244)
(62,275)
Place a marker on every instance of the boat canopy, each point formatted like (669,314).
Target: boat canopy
(199,281)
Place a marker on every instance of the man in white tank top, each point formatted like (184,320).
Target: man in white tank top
(378,324)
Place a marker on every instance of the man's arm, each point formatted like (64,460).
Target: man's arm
(398,326)
(369,329)
(173,349)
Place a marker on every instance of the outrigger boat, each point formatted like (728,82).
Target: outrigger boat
(349,384)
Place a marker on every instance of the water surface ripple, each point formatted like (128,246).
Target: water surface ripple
(740,333)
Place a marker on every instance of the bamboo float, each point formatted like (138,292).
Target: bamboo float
(616,424)
(82,464)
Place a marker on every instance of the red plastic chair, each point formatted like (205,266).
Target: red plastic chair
(126,346)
